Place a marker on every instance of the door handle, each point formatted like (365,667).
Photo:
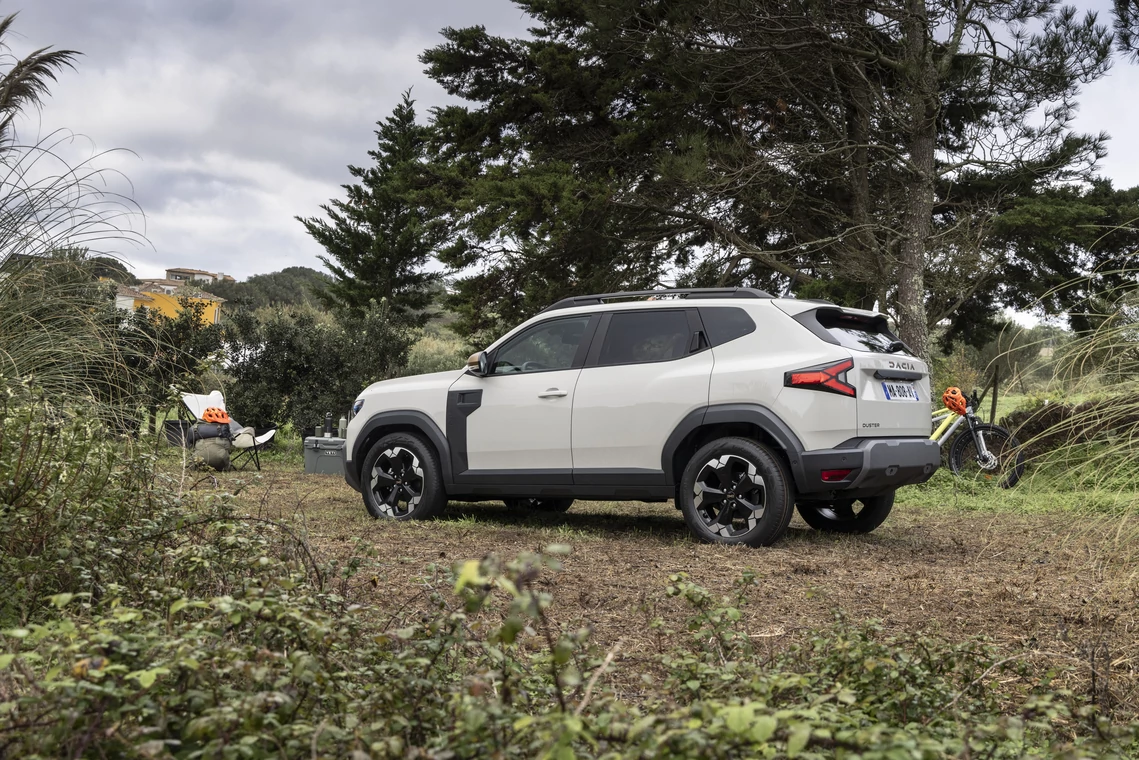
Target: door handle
(553,393)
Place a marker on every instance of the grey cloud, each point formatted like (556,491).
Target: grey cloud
(242,114)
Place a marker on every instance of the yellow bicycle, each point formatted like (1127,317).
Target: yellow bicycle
(981,451)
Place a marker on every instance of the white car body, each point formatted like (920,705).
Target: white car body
(597,428)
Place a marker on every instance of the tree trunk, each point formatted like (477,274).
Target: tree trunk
(152,420)
(917,217)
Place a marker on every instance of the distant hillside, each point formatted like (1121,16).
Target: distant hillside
(292,285)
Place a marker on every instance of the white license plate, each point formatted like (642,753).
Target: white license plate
(900,392)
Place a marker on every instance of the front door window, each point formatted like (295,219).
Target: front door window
(548,346)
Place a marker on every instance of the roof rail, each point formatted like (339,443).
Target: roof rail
(600,298)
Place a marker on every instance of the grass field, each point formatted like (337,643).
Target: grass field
(1048,576)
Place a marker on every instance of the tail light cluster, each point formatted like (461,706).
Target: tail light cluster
(829,378)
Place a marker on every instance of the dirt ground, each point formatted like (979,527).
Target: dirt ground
(1053,588)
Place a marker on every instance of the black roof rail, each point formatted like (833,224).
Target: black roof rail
(600,298)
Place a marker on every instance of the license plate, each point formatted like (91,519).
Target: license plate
(900,392)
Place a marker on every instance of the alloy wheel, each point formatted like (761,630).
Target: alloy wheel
(729,495)
(397,481)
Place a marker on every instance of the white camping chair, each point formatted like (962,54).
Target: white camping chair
(245,442)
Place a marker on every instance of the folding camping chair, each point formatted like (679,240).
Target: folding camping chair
(247,445)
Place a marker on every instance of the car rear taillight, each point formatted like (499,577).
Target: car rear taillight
(833,476)
(827,377)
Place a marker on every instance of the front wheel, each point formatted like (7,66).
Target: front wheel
(737,491)
(1002,463)
(401,479)
(847,515)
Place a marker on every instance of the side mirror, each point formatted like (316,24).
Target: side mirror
(479,364)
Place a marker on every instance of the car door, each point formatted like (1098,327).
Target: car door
(512,426)
(647,370)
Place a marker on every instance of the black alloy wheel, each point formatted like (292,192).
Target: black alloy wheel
(402,480)
(737,491)
(397,481)
(729,495)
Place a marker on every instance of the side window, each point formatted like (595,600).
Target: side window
(725,323)
(635,337)
(546,346)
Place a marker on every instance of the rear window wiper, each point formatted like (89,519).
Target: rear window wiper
(897,345)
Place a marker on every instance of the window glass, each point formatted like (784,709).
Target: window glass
(550,345)
(857,332)
(723,324)
(646,336)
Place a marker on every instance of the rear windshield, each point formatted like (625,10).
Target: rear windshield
(857,332)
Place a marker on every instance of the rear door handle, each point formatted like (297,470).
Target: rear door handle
(553,393)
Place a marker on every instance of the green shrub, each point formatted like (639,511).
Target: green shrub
(293,364)
(155,622)
(435,350)
(277,668)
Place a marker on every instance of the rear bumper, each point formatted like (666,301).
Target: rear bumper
(877,465)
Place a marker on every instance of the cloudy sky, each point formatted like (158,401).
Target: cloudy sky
(241,114)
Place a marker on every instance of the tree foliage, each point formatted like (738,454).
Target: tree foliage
(292,286)
(166,354)
(26,83)
(296,363)
(380,237)
(864,144)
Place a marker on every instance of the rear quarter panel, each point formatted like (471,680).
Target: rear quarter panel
(749,370)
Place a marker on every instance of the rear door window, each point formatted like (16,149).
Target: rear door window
(857,332)
(636,337)
(725,323)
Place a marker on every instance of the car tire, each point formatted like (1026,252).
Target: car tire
(847,515)
(747,476)
(401,479)
(538,505)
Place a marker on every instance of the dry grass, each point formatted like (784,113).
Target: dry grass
(1057,589)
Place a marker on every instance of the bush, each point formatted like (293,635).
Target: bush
(295,363)
(159,623)
(435,350)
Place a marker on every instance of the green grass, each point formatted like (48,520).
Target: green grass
(1037,493)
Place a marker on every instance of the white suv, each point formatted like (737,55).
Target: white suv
(738,405)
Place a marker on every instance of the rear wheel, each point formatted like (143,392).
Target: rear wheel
(847,515)
(1003,461)
(736,491)
(539,505)
(401,479)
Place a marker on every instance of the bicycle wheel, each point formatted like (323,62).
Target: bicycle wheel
(1003,464)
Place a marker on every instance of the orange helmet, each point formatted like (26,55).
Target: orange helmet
(954,400)
(215,415)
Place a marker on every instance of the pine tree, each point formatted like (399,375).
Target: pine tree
(380,239)
(860,149)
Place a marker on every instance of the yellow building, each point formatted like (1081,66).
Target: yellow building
(167,304)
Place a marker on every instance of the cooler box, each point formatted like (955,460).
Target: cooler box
(324,456)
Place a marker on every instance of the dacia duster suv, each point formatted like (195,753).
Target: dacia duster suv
(740,406)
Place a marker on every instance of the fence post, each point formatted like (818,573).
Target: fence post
(996,388)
